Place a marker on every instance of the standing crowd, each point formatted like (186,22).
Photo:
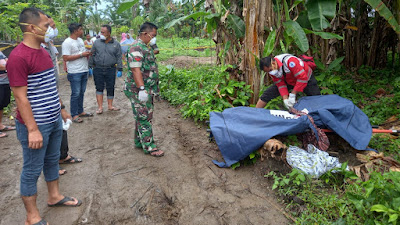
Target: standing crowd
(42,121)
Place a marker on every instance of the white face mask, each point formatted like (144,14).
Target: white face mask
(49,35)
(55,32)
(273,72)
(153,41)
(102,37)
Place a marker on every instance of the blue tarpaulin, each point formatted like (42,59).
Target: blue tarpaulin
(240,131)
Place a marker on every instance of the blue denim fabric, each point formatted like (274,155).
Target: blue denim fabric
(78,87)
(104,77)
(36,160)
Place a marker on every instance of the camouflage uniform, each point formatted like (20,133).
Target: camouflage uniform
(142,56)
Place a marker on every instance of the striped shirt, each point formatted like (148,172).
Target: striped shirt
(33,68)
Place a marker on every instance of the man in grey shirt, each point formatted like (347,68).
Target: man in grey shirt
(105,60)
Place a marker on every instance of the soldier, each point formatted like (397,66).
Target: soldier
(140,86)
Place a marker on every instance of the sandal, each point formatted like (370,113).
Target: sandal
(77,120)
(113,109)
(61,172)
(71,160)
(3,135)
(156,153)
(86,115)
(7,128)
(64,200)
(41,222)
(99,111)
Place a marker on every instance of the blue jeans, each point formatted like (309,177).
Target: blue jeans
(78,87)
(104,77)
(36,160)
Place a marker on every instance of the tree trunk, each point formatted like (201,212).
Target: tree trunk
(257,14)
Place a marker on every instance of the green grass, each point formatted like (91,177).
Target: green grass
(334,198)
(170,47)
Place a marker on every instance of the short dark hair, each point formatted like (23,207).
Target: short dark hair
(72,27)
(108,27)
(147,27)
(265,62)
(48,16)
(29,15)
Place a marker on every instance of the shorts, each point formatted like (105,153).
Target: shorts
(5,95)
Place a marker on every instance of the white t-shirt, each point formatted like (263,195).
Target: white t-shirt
(75,47)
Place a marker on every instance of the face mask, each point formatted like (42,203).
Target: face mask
(49,35)
(102,37)
(153,41)
(46,36)
(55,32)
(275,73)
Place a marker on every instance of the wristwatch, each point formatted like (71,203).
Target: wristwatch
(81,55)
(62,106)
(141,87)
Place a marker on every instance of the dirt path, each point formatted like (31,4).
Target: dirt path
(120,185)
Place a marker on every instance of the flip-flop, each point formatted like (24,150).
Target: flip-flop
(77,120)
(3,135)
(62,173)
(99,111)
(71,160)
(86,115)
(7,128)
(41,222)
(156,155)
(64,200)
(114,109)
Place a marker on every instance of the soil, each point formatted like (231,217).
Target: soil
(119,184)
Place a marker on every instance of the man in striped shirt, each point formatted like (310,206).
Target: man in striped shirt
(287,72)
(39,114)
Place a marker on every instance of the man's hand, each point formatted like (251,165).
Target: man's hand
(35,139)
(65,115)
(86,54)
(143,96)
(119,74)
(286,103)
(292,99)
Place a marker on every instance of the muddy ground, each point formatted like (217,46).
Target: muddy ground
(120,185)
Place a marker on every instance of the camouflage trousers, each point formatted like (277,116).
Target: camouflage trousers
(143,114)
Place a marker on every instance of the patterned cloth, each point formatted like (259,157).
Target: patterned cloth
(141,56)
(319,139)
(313,162)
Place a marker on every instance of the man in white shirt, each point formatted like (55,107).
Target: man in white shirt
(76,56)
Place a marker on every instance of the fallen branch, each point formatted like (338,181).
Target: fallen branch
(148,189)
(119,173)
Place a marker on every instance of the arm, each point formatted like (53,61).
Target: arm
(282,87)
(93,54)
(137,76)
(35,139)
(119,58)
(75,57)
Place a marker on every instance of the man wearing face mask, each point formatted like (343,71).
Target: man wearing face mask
(50,48)
(140,86)
(288,72)
(105,60)
(75,54)
(39,114)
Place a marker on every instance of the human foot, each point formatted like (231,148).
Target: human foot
(99,111)
(7,128)
(113,109)
(66,201)
(156,153)
(70,160)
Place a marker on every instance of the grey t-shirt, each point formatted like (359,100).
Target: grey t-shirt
(3,73)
